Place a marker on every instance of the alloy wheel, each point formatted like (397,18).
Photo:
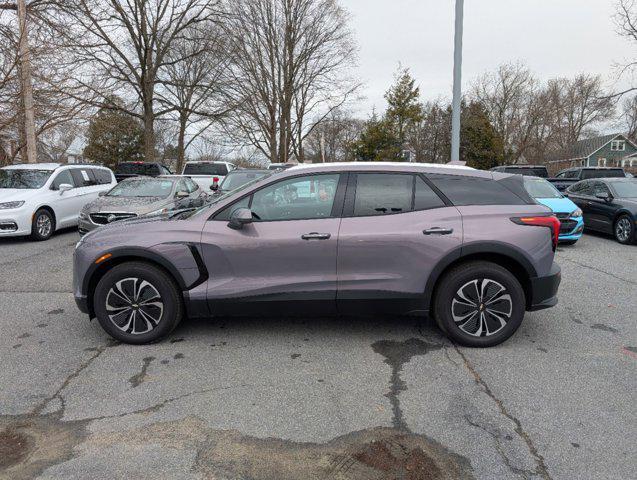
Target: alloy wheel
(43,225)
(622,229)
(134,305)
(481,307)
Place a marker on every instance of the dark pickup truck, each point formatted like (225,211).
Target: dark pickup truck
(135,169)
(568,177)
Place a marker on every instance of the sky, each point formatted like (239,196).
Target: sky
(554,38)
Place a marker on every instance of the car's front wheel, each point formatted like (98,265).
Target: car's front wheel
(624,229)
(137,303)
(479,304)
(43,225)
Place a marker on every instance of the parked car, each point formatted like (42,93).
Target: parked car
(237,178)
(126,170)
(38,199)
(280,166)
(526,170)
(139,196)
(470,247)
(570,176)
(609,206)
(569,215)
(207,174)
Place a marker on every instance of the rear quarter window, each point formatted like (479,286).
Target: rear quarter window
(102,176)
(462,190)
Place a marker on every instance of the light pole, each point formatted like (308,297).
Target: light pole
(457,84)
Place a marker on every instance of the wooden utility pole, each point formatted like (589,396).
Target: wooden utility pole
(26,85)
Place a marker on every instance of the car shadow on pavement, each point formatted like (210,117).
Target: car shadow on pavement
(27,239)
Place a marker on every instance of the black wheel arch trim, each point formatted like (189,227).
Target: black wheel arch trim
(473,248)
(142,253)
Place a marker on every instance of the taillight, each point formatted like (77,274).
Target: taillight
(550,221)
(215,179)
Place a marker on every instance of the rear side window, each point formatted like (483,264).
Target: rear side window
(474,191)
(382,193)
(103,177)
(424,197)
(610,173)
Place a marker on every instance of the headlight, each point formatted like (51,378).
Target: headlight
(157,212)
(577,213)
(9,205)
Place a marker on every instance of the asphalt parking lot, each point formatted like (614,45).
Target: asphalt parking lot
(339,398)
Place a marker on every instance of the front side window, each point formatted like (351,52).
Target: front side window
(62,177)
(382,193)
(296,199)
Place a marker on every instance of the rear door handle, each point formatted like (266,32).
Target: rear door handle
(438,231)
(316,236)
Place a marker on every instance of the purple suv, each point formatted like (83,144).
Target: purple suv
(468,247)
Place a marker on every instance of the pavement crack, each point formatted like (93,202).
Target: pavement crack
(139,378)
(541,468)
(58,393)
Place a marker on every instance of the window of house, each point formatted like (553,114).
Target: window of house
(618,146)
(601,162)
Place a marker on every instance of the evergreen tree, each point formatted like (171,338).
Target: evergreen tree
(403,104)
(480,145)
(377,142)
(114,137)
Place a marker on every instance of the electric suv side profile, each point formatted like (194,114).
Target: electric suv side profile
(470,248)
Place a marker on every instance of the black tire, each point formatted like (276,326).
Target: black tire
(624,229)
(42,226)
(153,287)
(568,242)
(510,304)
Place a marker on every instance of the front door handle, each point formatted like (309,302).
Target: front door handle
(438,231)
(316,236)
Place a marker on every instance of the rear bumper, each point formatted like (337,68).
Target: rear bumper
(544,289)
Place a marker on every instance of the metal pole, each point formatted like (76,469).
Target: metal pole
(26,85)
(457,83)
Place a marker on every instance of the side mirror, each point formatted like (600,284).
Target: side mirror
(604,196)
(64,187)
(239,218)
(102,193)
(214,187)
(181,194)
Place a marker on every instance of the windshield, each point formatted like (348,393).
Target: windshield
(236,179)
(540,188)
(205,169)
(142,187)
(625,189)
(23,179)
(528,171)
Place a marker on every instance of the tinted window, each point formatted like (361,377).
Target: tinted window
(383,193)
(425,197)
(205,169)
(625,189)
(103,177)
(611,172)
(474,191)
(138,168)
(571,174)
(83,177)
(599,188)
(62,177)
(584,188)
(296,198)
(527,171)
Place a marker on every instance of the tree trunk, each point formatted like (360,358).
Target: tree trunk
(181,149)
(149,131)
(26,85)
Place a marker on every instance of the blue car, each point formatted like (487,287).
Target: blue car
(569,214)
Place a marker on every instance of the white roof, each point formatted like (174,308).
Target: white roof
(33,166)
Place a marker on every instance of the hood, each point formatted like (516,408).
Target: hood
(15,194)
(558,205)
(137,205)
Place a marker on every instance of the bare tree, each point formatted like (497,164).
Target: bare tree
(123,46)
(629,117)
(291,63)
(626,21)
(333,138)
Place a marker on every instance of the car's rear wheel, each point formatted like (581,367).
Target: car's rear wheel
(43,225)
(479,304)
(624,229)
(137,303)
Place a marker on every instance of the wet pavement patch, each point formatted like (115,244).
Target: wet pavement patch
(295,355)
(137,379)
(605,328)
(176,340)
(396,355)
(30,444)
(57,311)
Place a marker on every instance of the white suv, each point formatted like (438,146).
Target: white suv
(37,199)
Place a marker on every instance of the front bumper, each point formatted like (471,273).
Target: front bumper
(574,233)
(85,226)
(543,290)
(15,222)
